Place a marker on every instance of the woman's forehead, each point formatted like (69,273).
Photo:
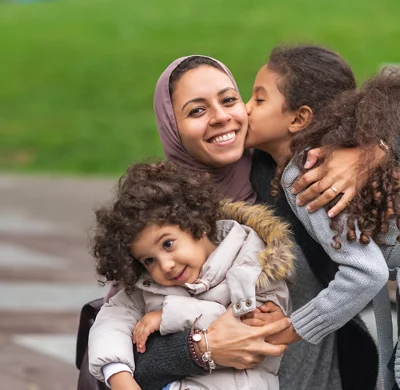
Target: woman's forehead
(203,80)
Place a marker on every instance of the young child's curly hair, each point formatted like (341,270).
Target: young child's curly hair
(361,119)
(162,193)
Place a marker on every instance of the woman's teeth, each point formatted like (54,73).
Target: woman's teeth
(222,138)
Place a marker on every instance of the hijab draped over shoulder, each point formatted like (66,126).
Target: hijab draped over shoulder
(234,179)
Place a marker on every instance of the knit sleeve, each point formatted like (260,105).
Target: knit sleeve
(362,273)
(167,359)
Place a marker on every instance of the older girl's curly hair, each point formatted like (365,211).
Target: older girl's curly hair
(361,119)
(162,193)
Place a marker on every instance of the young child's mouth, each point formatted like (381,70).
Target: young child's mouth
(181,275)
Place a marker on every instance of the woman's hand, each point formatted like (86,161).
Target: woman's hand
(234,344)
(263,315)
(338,175)
(267,314)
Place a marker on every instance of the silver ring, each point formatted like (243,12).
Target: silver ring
(334,190)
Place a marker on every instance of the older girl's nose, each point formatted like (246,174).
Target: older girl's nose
(248,107)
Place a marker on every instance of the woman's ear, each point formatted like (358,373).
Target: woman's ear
(302,119)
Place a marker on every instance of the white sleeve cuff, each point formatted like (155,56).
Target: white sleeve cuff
(113,368)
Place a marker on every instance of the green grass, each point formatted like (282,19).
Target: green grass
(77,77)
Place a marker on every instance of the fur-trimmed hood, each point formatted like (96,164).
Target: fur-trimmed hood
(277,258)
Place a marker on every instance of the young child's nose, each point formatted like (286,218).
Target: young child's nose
(167,265)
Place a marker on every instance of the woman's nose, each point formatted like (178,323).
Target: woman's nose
(219,116)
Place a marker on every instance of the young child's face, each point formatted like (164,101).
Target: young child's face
(171,256)
(268,121)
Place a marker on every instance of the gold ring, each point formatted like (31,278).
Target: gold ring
(334,190)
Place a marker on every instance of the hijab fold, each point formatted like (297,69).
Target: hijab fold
(233,180)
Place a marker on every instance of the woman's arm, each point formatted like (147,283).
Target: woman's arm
(167,358)
(362,273)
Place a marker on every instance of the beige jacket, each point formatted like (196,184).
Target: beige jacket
(245,270)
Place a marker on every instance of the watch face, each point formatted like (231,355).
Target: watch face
(196,337)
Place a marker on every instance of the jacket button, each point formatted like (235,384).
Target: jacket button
(146,283)
(237,306)
(248,303)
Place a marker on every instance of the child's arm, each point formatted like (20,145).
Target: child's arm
(123,381)
(110,336)
(362,273)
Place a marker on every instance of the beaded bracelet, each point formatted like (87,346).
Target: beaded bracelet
(194,337)
(193,353)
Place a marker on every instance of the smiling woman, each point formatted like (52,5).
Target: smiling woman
(205,128)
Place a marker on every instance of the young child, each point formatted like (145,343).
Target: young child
(165,240)
(307,97)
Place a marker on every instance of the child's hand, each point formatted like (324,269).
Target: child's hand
(147,325)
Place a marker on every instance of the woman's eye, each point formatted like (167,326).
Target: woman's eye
(167,244)
(149,261)
(229,100)
(196,111)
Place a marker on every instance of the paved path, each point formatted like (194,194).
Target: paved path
(46,275)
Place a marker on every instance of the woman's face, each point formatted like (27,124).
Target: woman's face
(268,119)
(210,115)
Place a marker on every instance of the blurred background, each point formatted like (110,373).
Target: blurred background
(76,87)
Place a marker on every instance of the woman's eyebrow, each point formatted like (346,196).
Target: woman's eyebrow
(195,100)
(201,100)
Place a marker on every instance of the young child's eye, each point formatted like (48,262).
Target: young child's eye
(259,100)
(149,261)
(167,244)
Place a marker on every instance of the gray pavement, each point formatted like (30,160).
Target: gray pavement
(46,275)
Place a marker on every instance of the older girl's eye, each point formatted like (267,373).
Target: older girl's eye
(149,261)
(196,111)
(167,244)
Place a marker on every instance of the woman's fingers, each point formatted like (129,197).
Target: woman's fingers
(305,181)
(312,158)
(346,199)
(253,322)
(275,327)
(268,307)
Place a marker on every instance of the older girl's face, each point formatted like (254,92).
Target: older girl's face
(269,122)
(210,115)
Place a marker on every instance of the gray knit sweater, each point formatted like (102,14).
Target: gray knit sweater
(362,276)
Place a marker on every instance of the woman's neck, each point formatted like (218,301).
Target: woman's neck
(279,150)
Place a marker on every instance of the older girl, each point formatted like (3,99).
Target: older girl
(287,114)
